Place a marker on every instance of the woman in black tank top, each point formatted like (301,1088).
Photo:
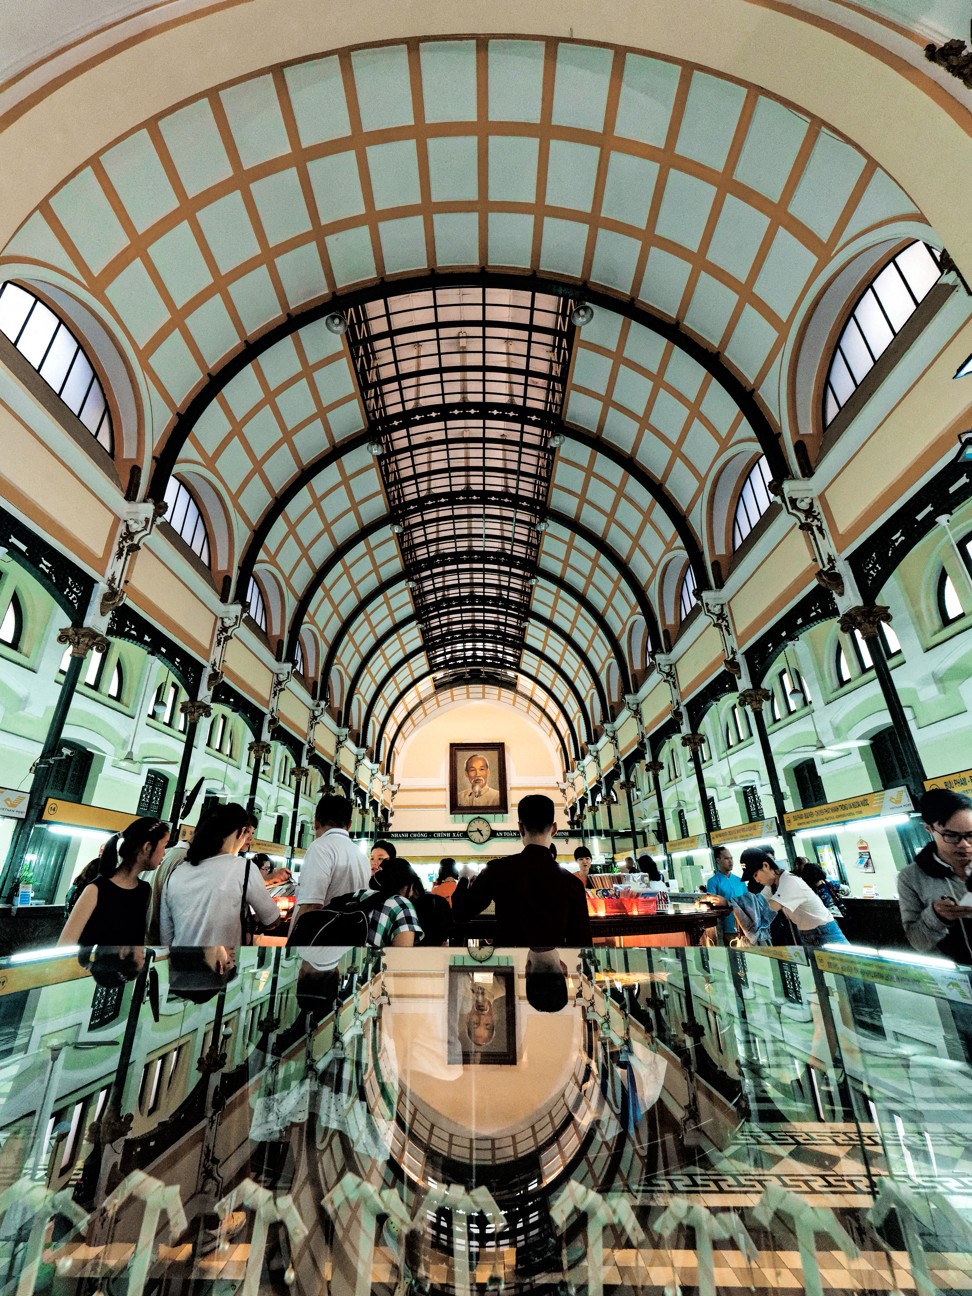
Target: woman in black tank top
(112,909)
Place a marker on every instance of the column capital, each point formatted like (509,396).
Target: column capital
(693,741)
(755,698)
(866,618)
(195,711)
(653,767)
(301,771)
(82,640)
(258,748)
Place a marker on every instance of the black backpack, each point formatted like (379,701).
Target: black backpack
(344,920)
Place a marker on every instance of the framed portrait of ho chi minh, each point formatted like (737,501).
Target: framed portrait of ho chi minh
(477,778)
(482,1016)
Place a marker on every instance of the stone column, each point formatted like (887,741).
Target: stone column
(694,741)
(867,619)
(194,712)
(755,699)
(258,749)
(82,640)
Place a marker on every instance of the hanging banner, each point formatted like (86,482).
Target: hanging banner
(684,844)
(755,830)
(961,781)
(868,806)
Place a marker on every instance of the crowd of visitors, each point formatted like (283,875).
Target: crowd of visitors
(207,893)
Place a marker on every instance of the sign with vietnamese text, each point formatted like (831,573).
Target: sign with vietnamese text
(683,844)
(755,830)
(961,781)
(869,805)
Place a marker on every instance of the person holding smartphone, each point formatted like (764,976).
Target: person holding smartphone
(931,890)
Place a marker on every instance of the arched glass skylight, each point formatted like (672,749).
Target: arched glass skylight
(754,500)
(688,595)
(185,517)
(257,608)
(46,343)
(889,300)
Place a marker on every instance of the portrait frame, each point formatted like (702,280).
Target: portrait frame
(460,802)
(499,988)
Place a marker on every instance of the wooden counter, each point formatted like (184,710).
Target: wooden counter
(682,926)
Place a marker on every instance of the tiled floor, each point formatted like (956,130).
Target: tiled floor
(689,1122)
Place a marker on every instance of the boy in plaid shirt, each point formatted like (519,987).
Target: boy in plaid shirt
(393,921)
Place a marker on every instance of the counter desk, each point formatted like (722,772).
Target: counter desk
(680,925)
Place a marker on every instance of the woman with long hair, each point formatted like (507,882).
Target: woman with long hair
(111,909)
(203,902)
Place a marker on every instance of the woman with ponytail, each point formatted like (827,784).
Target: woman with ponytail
(111,909)
(203,902)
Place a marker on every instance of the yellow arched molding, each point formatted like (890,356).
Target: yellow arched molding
(905,119)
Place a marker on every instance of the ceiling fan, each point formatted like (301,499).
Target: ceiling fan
(818,747)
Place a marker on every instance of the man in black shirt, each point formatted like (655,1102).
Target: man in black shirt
(538,903)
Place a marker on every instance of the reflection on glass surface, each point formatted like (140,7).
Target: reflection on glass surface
(234,1121)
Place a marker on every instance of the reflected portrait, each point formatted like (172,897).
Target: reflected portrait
(482,1016)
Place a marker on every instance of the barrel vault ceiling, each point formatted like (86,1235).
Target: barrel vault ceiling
(465,493)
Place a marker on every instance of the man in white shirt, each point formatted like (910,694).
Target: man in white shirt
(333,865)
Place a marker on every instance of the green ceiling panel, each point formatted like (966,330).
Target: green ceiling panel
(581,86)
(139,179)
(456,238)
(826,183)
(628,188)
(403,244)
(337,186)
(302,274)
(86,214)
(181,264)
(448,80)
(515,80)
(709,119)
(571,173)
(137,301)
(685,208)
(563,246)
(513,168)
(318,99)
(615,260)
(648,91)
(253,112)
(384,90)
(352,256)
(228,231)
(453,168)
(394,174)
(193,140)
(280,202)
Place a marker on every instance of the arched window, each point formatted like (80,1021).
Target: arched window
(116,684)
(688,595)
(186,519)
(49,346)
(949,604)
(809,785)
(841,668)
(12,625)
(754,500)
(794,691)
(299,659)
(257,607)
(889,300)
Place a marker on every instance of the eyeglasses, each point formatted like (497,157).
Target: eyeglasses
(952,838)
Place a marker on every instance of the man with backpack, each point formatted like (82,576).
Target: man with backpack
(333,866)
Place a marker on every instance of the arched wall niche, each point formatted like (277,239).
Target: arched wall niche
(533,764)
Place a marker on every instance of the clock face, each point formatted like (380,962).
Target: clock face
(479,830)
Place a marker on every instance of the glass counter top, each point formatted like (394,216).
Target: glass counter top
(458,1121)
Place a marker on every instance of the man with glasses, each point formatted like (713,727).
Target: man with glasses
(930,889)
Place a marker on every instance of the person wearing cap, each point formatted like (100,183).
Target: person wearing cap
(812,919)
(583,859)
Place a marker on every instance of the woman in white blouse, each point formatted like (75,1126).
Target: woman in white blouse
(202,902)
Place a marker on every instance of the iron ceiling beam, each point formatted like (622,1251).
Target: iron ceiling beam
(640,598)
(344,629)
(408,621)
(547,661)
(252,349)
